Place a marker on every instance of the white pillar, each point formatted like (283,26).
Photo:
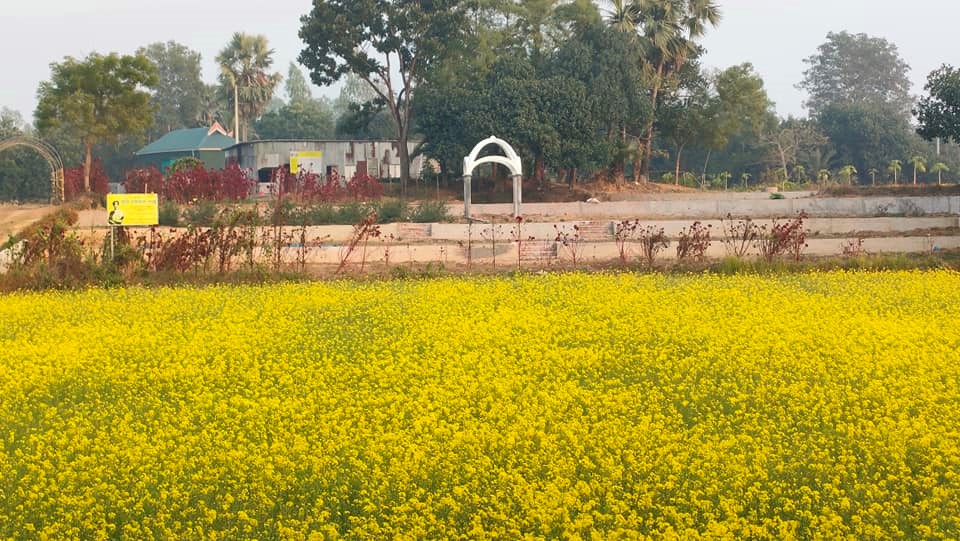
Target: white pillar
(466,196)
(517,194)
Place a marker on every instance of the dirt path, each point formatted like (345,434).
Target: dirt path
(13,218)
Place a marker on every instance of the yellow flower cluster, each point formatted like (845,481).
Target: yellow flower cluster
(808,406)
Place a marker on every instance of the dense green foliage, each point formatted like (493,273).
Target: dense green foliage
(615,92)
(939,111)
(98,99)
(389,44)
(178,95)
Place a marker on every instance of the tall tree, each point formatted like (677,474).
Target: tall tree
(940,168)
(688,117)
(919,166)
(669,30)
(389,44)
(178,94)
(854,69)
(791,138)
(848,173)
(244,65)
(214,107)
(865,134)
(297,87)
(99,99)
(894,168)
(939,111)
(608,63)
(300,119)
(741,106)
(622,16)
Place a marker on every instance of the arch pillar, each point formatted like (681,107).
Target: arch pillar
(511,161)
(48,153)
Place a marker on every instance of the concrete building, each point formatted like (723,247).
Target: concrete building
(378,159)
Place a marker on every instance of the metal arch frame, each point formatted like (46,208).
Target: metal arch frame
(512,161)
(48,153)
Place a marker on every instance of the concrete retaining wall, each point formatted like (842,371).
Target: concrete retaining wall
(506,252)
(719,207)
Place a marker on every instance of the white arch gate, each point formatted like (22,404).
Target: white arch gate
(511,161)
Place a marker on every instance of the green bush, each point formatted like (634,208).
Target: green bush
(430,212)
(203,213)
(391,212)
(351,213)
(319,214)
(169,213)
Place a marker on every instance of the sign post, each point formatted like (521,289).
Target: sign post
(131,209)
(308,161)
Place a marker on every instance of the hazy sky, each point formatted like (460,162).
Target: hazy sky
(775,35)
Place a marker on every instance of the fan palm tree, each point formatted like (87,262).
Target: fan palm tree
(894,168)
(919,166)
(939,168)
(847,173)
(667,30)
(745,178)
(622,16)
(243,72)
(873,176)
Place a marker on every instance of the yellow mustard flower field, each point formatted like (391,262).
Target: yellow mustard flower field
(568,406)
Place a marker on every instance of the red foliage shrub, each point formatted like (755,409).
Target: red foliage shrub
(363,186)
(73,180)
(143,181)
(193,183)
(306,186)
(234,183)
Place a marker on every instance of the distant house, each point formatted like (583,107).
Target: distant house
(205,144)
(379,159)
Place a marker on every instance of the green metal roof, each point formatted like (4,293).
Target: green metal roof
(188,140)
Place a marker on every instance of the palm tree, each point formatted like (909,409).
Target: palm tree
(939,168)
(745,178)
(212,107)
(894,168)
(800,173)
(823,176)
(668,30)
(726,178)
(919,165)
(243,71)
(623,16)
(873,176)
(847,173)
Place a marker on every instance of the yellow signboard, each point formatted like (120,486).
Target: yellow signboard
(132,209)
(308,160)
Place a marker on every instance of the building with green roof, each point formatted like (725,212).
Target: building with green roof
(205,144)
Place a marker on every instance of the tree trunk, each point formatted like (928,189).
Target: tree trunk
(404,155)
(783,158)
(539,172)
(914,175)
(573,177)
(618,174)
(676,174)
(648,142)
(88,147)
(703,179)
